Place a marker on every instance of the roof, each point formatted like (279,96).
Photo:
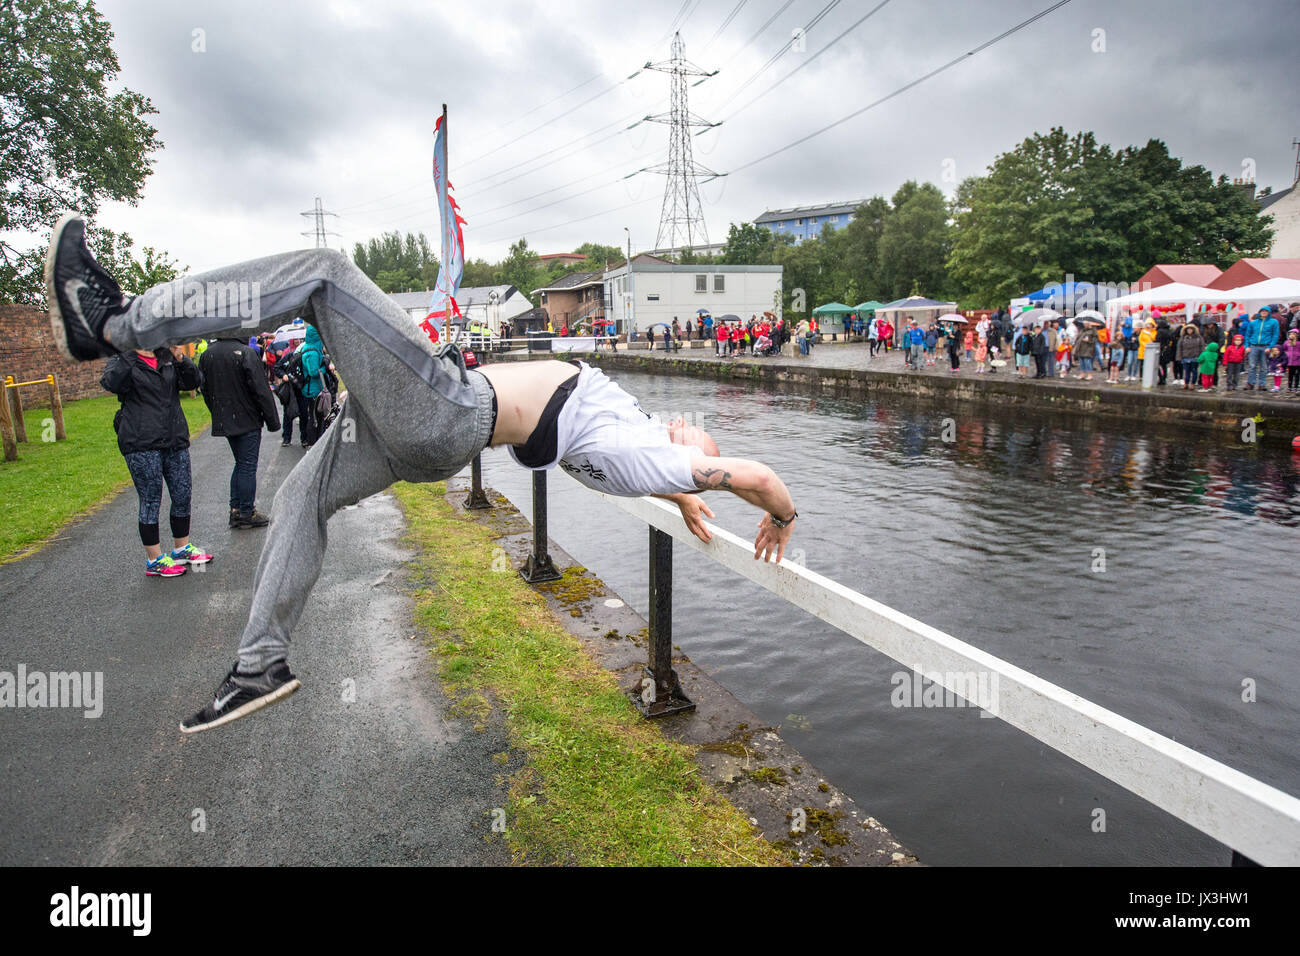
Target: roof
(640,259)
(1248,271)
(574,280)
(472,295)
(554,256)
(1265,201)
(825,209)
(1194,274)
(913,302)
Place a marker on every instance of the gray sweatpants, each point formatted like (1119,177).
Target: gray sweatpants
(413,412)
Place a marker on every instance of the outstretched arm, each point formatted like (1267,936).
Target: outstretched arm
(760,486)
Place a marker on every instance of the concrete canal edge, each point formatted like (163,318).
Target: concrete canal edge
(747,761)
(1276,421)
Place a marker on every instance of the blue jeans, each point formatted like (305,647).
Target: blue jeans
(1256,365)
(1191,369)
(243,480)
(1134,364)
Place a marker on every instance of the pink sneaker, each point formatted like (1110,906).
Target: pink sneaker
(190,555)
(164,567)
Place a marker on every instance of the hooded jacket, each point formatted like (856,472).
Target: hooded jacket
(235,389)
(1190,345)
(313,356)
(151,417)
(1209,358)
(1261,332)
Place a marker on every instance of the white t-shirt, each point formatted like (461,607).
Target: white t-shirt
(608,442)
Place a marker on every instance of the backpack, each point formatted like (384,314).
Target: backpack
(290,366)
(1025,344)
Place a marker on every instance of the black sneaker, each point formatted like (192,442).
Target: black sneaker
(241,694)
(82,296)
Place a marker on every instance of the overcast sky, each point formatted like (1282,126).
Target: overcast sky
(294,99)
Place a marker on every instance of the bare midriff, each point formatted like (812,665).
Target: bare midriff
(523,389)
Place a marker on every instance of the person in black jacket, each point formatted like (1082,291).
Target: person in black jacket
(154,438)
(240,399)
(1040,351)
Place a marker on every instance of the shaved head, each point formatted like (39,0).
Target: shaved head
(680,433)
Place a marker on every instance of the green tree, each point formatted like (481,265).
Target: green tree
(597,255)
(398,262)
(747,245)
(914,242)
(66,142)
(859,244)
(519,268)
(479,272)
(154,269)
(1061,204)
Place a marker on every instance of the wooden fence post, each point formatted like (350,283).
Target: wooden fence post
(56,408)
(16,409)
(7,432)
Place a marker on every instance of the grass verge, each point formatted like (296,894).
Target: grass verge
(599,785)
(53,482)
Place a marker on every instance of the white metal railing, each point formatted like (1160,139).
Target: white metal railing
(1249,816)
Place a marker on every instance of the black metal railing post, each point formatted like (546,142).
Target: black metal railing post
(539,567)
(660,692)
(477,500)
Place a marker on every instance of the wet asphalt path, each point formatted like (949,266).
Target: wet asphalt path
(389,778)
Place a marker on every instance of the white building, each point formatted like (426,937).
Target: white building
(1284,207)
(490,305)
(659,291)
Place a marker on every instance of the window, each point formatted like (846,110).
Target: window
(719,283)
(813,220)
(701,283)
(798,222)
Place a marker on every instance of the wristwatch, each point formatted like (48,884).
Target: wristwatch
(782,524)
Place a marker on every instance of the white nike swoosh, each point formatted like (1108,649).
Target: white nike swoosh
(222,701)
(70,289)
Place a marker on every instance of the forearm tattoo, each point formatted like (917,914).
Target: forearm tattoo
(715,478)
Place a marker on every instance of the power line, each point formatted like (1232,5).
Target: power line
(903,89)
(561,225)
(725,23)
(785,48)
(805,63)
(979,49)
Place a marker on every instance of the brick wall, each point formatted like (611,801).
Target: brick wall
(27,352)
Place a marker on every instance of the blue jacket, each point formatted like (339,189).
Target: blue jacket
(916,336)
(312,358)
(1262,332)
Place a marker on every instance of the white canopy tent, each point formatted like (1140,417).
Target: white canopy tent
(1277,289)
(1170,294)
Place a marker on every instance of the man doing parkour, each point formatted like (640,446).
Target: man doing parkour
(416,414)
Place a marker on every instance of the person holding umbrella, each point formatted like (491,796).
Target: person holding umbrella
(949,324)
(1085,352)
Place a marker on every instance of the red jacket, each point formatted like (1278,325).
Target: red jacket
(1234,355)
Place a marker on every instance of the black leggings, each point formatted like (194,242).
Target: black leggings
(1293,376)
(149,470)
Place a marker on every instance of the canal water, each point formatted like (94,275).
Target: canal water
(1155,575)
